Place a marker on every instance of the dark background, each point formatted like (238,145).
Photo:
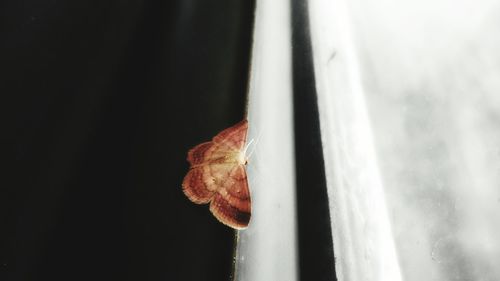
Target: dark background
(100,102)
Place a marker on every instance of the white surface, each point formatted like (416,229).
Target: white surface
(364,246)
(266,250)
(410,116)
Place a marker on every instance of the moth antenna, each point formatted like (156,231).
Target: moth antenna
(246,147)
(253,147)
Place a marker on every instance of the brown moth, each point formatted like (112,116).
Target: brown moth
(217,176)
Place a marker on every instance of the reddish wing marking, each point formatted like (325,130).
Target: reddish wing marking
(218,176)
(197,188)
(234,137)
(196,155)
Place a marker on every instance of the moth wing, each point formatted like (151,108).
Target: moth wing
(209,153)
(196,155)
(231,203)
(212,179)
(198,185)
(233,137)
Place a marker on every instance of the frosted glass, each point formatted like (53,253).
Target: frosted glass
(409,97)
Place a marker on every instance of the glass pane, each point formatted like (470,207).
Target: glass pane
(409,97)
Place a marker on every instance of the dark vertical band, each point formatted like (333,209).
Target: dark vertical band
(316,257)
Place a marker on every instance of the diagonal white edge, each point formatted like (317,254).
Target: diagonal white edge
(267,250)
(363,241)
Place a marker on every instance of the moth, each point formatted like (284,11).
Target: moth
(218,177)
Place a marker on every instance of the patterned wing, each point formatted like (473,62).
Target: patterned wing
(207,153)
(233,137)
(198,154)
(198,185)
(231,203)
(218,178)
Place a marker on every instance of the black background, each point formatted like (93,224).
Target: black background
(100,102)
